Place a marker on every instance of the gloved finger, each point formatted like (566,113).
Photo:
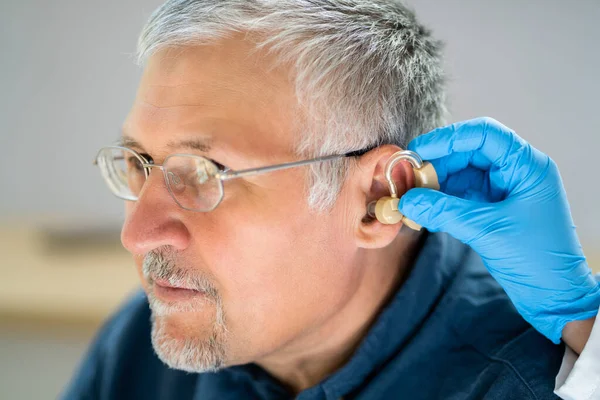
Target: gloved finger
(458,177)
(471,183)
(446,166)
(487,145)
(439,212)
(457,161)
(487,138)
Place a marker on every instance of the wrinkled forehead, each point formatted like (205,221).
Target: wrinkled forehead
(226,91)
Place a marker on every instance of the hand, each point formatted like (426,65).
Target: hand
(506,200)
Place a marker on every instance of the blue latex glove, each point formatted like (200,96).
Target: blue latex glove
(506,200)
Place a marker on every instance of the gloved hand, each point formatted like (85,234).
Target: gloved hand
(506,200)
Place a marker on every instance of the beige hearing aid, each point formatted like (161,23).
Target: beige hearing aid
(386,208)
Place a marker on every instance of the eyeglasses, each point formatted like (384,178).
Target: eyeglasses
(194,182)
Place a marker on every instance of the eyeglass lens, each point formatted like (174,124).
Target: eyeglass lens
(190,179)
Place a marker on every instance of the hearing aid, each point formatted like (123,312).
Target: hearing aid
(386,208)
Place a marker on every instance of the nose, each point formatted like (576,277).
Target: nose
(154,220)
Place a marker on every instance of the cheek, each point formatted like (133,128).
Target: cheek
(277,263)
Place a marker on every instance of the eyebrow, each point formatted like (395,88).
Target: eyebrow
(192,144)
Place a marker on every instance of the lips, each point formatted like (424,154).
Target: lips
(165,283)
(170,293)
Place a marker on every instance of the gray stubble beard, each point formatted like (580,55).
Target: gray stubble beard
(192,354)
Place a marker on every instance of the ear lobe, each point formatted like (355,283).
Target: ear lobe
(370,232)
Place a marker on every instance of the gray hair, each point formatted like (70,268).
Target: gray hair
(366,70)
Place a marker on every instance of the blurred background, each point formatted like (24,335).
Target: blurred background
(68,79)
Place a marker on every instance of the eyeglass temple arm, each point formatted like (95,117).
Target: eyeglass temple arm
(226,175)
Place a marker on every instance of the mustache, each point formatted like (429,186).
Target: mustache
(160,264)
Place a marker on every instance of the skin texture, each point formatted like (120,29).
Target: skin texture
(299,289)
(577,333)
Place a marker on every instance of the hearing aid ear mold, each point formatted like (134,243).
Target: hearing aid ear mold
(386,208)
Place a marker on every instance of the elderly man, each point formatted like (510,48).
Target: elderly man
(259,135)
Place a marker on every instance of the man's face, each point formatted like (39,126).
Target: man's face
(267,270)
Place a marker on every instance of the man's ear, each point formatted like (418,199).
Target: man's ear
(370,233)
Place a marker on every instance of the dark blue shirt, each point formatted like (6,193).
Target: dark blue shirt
(449,332)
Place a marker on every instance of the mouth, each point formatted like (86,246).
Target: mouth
(167,292)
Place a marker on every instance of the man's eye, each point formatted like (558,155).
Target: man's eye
(134,163)
(220,166)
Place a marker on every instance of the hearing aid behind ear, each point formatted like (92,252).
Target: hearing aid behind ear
(386,208)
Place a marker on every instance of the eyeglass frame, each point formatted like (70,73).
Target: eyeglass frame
(227,174)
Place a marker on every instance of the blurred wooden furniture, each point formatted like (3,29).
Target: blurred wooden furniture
(62,281)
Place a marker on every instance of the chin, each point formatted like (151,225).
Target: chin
(190,341)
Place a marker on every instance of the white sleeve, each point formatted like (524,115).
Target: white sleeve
(579,377)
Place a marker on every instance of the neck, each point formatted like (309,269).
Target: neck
(327,348)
